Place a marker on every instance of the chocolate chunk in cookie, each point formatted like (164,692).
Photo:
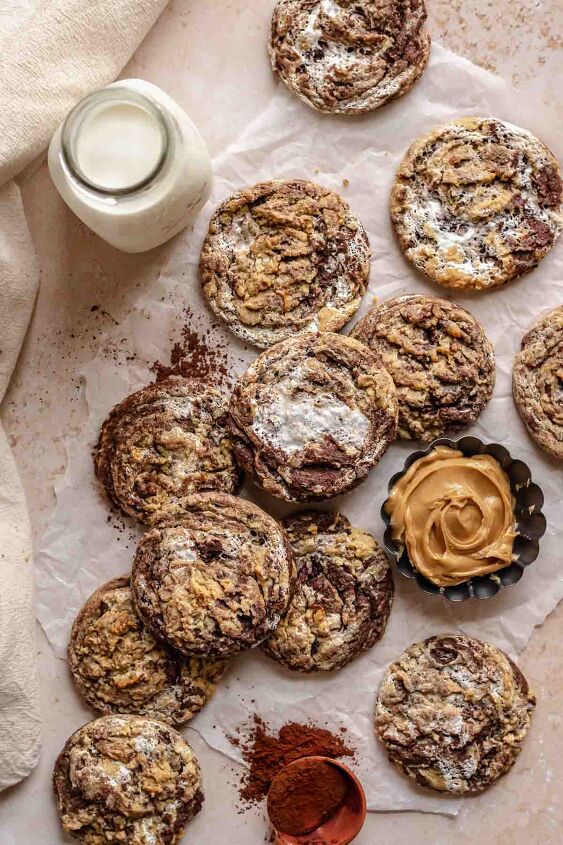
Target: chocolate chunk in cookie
(215,578)
(440,359)
(537,382)
(119,667)
(477,203)
(162,443)
(346,57)
(452,713)
(127,779)
(343,595)
(284,257)
(312,415)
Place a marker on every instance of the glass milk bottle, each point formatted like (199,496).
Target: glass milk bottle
(131,165)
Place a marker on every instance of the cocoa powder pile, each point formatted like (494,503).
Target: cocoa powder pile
(304,797)
(266,754)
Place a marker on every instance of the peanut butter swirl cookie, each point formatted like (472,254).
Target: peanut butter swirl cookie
(283,257)
(312,415)
(347,57)
(477,202)
(164,442)
(343,595)
(119,667)
(215,578)
(127,779)
(452,713)
(439,358)
(537,382)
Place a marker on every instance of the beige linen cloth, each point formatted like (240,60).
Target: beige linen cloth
(52,53)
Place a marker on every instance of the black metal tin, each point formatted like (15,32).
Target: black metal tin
(530,524)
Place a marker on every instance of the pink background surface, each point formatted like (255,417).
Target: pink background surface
(519,39)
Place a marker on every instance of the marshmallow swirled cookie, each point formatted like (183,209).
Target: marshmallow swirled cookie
(345,57)
(452,713)
(477,203)
(312,415)
(342,598)
(118,666)
(213,579)
(537,381)
(284,257)
(439,357)
(165,442)
(127,779)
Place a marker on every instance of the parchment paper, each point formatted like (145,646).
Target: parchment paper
(84,546)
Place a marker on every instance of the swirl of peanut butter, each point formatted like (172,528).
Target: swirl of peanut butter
(455,516)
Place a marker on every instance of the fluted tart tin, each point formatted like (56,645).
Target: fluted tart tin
(530,523)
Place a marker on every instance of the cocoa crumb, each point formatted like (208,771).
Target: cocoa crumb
(195,355)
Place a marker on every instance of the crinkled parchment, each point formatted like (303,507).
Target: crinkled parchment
(358,157)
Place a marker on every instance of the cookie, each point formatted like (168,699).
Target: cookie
(127,779)
(452,713)
(312,415)
(346,57)
(343,595)
(284,257)
(164,442)
(440,359)
(119,667)
(537,382)
(477,203)
(214,579)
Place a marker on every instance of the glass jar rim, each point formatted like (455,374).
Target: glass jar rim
(118,94)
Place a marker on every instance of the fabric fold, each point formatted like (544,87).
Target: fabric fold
(52,53)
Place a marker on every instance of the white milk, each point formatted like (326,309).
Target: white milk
(131,164)
(119,145)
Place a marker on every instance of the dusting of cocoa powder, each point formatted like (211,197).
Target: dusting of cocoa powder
(198,354)
(266,754)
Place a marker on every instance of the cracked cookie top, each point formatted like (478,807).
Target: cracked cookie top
(537,382)
(439,358)
(284,257)
(162,443)
(347,57)
(215,578)
(452,713)
(119,667)
(127,779)
(312,415)
(343,595)
(477,203)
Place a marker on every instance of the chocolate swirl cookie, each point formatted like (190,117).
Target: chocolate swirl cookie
(127,779)
(119,667)
(343,595)
(164,442)
(312,415)
(452,713)
(438,356)
(537,382)
(347,57)
(215,578)
(477,203)
(284,257)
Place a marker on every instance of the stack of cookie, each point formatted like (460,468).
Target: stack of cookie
(213,575)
